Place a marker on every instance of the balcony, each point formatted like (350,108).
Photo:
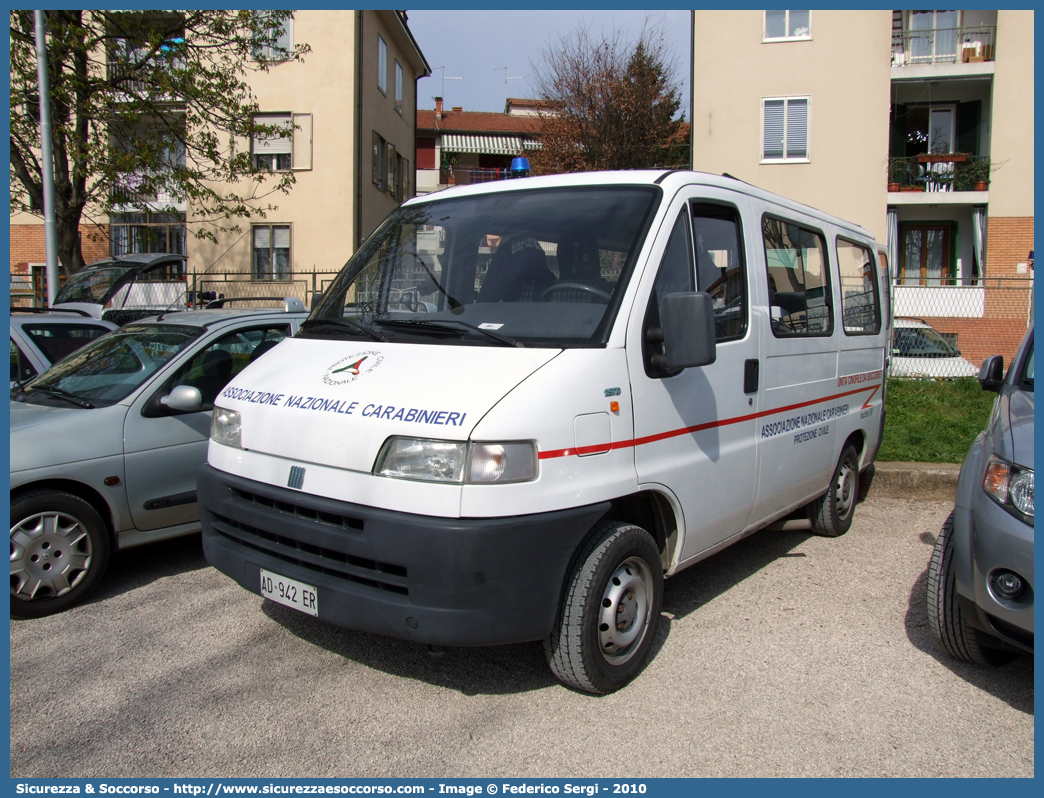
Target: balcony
(464,176)
(932,173)
(965,45)
(137,190)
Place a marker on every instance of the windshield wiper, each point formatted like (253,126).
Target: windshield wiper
(354,326)
(443,325)
(62,394)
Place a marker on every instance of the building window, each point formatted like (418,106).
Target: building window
(398,87)
(928,256)
(785,129)
(798,279)
(781,26)
(271,256)
(382,65)
(402,185)
(277,48)
(273,151)
(379,165)
(132,233)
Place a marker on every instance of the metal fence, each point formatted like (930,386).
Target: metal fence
(946,331)
(943,331)
(205,286)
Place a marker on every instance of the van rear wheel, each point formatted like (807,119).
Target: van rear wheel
(610,610)
(832,513)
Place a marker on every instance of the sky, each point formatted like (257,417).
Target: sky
(476,46)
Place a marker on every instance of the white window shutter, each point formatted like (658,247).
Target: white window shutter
(797,129)
(273,145)
(302,141)
(773,129)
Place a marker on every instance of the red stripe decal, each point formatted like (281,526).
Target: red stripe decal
(674,433)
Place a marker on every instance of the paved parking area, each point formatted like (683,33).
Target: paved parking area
(786,655)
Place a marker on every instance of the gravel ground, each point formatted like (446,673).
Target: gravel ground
(785,655)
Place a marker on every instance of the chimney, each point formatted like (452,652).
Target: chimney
(458,109)
(438,108)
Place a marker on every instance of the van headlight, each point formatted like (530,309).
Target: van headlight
(455,461)
(226,427)
(1010,486)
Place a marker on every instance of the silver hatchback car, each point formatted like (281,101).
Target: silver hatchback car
(980,578)
(105,445)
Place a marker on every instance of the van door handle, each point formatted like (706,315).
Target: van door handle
(750,376)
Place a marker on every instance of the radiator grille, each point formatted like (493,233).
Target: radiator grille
(361,570)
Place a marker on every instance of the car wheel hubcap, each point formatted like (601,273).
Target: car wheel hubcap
(624,614)
(50,555)
(845,490)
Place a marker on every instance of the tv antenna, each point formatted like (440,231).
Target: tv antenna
(445,77)
(506,79)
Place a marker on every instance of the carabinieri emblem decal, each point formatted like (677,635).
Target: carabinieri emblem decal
(351,368)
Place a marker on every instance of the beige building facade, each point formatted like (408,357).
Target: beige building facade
(917,125)
(352,104)
(349,107)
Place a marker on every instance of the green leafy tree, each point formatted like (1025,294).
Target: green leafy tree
(613,105)
(144,106)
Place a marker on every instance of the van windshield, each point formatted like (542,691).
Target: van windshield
(540,267)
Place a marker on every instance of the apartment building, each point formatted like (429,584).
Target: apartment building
(918,125)
(349,110)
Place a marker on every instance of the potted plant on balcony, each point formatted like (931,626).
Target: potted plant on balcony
(897,170)
(979,173)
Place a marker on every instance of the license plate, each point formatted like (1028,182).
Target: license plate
(290,592)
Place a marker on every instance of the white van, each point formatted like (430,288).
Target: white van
(522,404)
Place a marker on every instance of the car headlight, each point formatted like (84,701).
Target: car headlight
(226,427)
(455,461)
(1010,486)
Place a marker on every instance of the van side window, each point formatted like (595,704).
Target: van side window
(798,280)
(860,307)
(720,269)
(674,276)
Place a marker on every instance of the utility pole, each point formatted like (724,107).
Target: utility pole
(47,156)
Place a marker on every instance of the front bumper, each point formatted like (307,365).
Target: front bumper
(442,581)
(998,540)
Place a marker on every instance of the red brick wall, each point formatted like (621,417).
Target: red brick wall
(1009,240)
(27,245)
(977,339)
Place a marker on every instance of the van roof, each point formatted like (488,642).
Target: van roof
(670,179)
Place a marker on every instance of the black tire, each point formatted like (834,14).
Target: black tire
(616,573)
(831,514)
(866,479)
(945,618)
(59,550)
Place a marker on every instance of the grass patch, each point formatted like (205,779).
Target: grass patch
(929,421)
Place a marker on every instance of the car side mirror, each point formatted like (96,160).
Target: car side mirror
(991,375)
(184,399)
(688,331)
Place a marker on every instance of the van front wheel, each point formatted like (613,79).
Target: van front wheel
(609,611)
(832,512)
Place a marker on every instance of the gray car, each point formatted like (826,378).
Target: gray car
(980,579)
(105,445)
(41,337)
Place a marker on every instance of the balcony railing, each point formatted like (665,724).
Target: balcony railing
(953,171)
(464,176)
(944,45)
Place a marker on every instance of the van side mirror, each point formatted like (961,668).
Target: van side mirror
(991,375)
(688,331)
(184,399)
